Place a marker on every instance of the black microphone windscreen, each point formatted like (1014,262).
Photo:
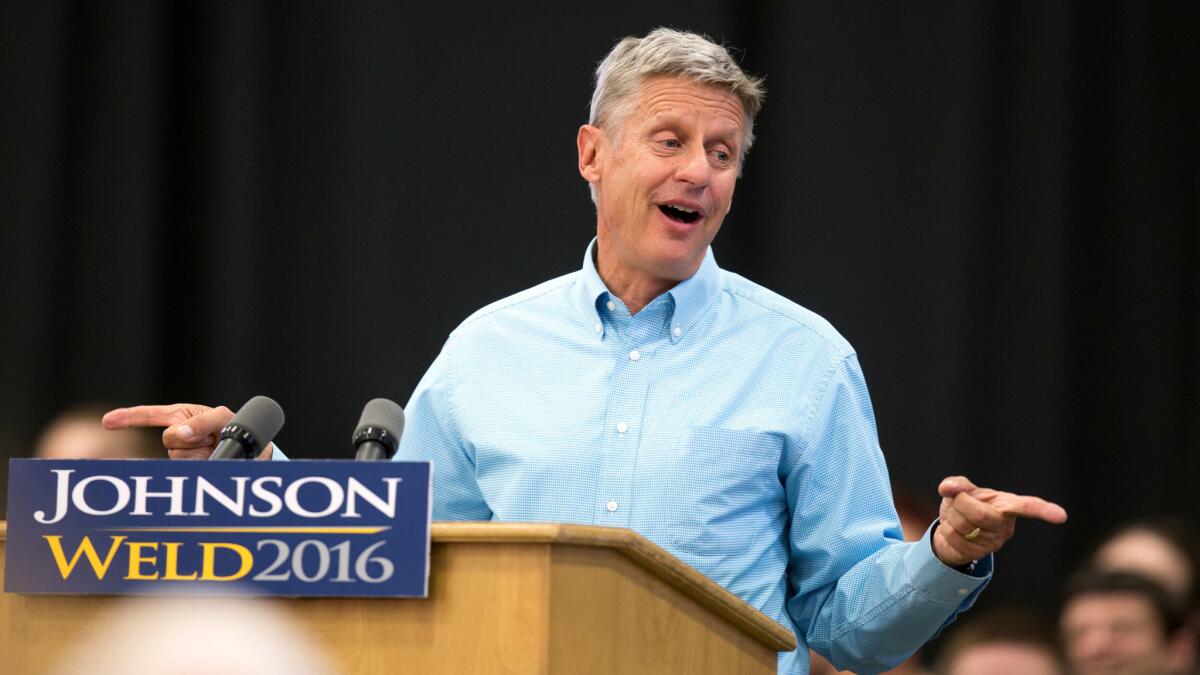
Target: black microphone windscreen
(261,416)
(379,429)
(380,412)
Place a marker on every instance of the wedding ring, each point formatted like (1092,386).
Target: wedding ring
(972,535)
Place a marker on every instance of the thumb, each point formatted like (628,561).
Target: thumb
(197,427)
(953,485)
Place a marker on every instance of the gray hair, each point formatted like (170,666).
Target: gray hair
(670,52)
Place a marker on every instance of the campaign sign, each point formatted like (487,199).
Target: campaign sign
(269,528)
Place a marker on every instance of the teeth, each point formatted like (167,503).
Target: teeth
(682,208)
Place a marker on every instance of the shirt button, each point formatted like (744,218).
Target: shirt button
(612,306)
(622,427)
(634,355)
(599,328)
(678,331)
(961,591)
(612,506)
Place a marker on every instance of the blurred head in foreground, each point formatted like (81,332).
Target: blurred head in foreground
(195,635)
(1002,642)
(1117,623)
(1166,550)
(76,433)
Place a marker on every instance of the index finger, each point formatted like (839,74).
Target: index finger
(1027,506)
(141,416)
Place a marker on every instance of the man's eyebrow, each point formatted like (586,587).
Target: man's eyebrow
(664,117)
(730,134)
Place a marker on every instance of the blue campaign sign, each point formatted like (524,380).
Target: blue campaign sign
(270,528)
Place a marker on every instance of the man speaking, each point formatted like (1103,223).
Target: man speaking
(653,390)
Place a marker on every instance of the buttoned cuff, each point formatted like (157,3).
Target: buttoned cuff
(940,582)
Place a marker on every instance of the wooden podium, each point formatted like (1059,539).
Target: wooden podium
(522,598)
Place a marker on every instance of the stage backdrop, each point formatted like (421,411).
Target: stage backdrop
(995,202)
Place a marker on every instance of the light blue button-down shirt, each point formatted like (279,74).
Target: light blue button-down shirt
(725,423)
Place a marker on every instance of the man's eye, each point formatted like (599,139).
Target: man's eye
(1126,627)
(671,143)
(721,155)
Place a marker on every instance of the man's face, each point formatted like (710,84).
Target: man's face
(664,179)
(1114,634)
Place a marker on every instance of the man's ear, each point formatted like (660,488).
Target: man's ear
(589,142)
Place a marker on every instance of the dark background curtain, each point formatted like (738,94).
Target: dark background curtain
(995,202)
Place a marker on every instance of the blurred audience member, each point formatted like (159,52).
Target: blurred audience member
(916,515)
(1166,550)
(1009,641)
(76,433)
(1117,623)
(241,636)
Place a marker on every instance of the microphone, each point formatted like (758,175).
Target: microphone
(379,429)
(250,430)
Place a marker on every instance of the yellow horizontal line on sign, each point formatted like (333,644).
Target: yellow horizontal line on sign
(256,530)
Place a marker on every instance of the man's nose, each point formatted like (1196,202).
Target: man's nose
(693,167)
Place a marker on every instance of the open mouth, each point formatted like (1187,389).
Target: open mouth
(679,214)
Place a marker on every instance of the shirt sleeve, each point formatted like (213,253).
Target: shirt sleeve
(431,432)
(859,595)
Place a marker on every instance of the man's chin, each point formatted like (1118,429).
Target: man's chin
(678,266)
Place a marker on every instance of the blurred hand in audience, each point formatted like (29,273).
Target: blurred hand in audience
(142,636)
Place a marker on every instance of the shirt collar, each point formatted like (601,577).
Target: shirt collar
(692,295)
